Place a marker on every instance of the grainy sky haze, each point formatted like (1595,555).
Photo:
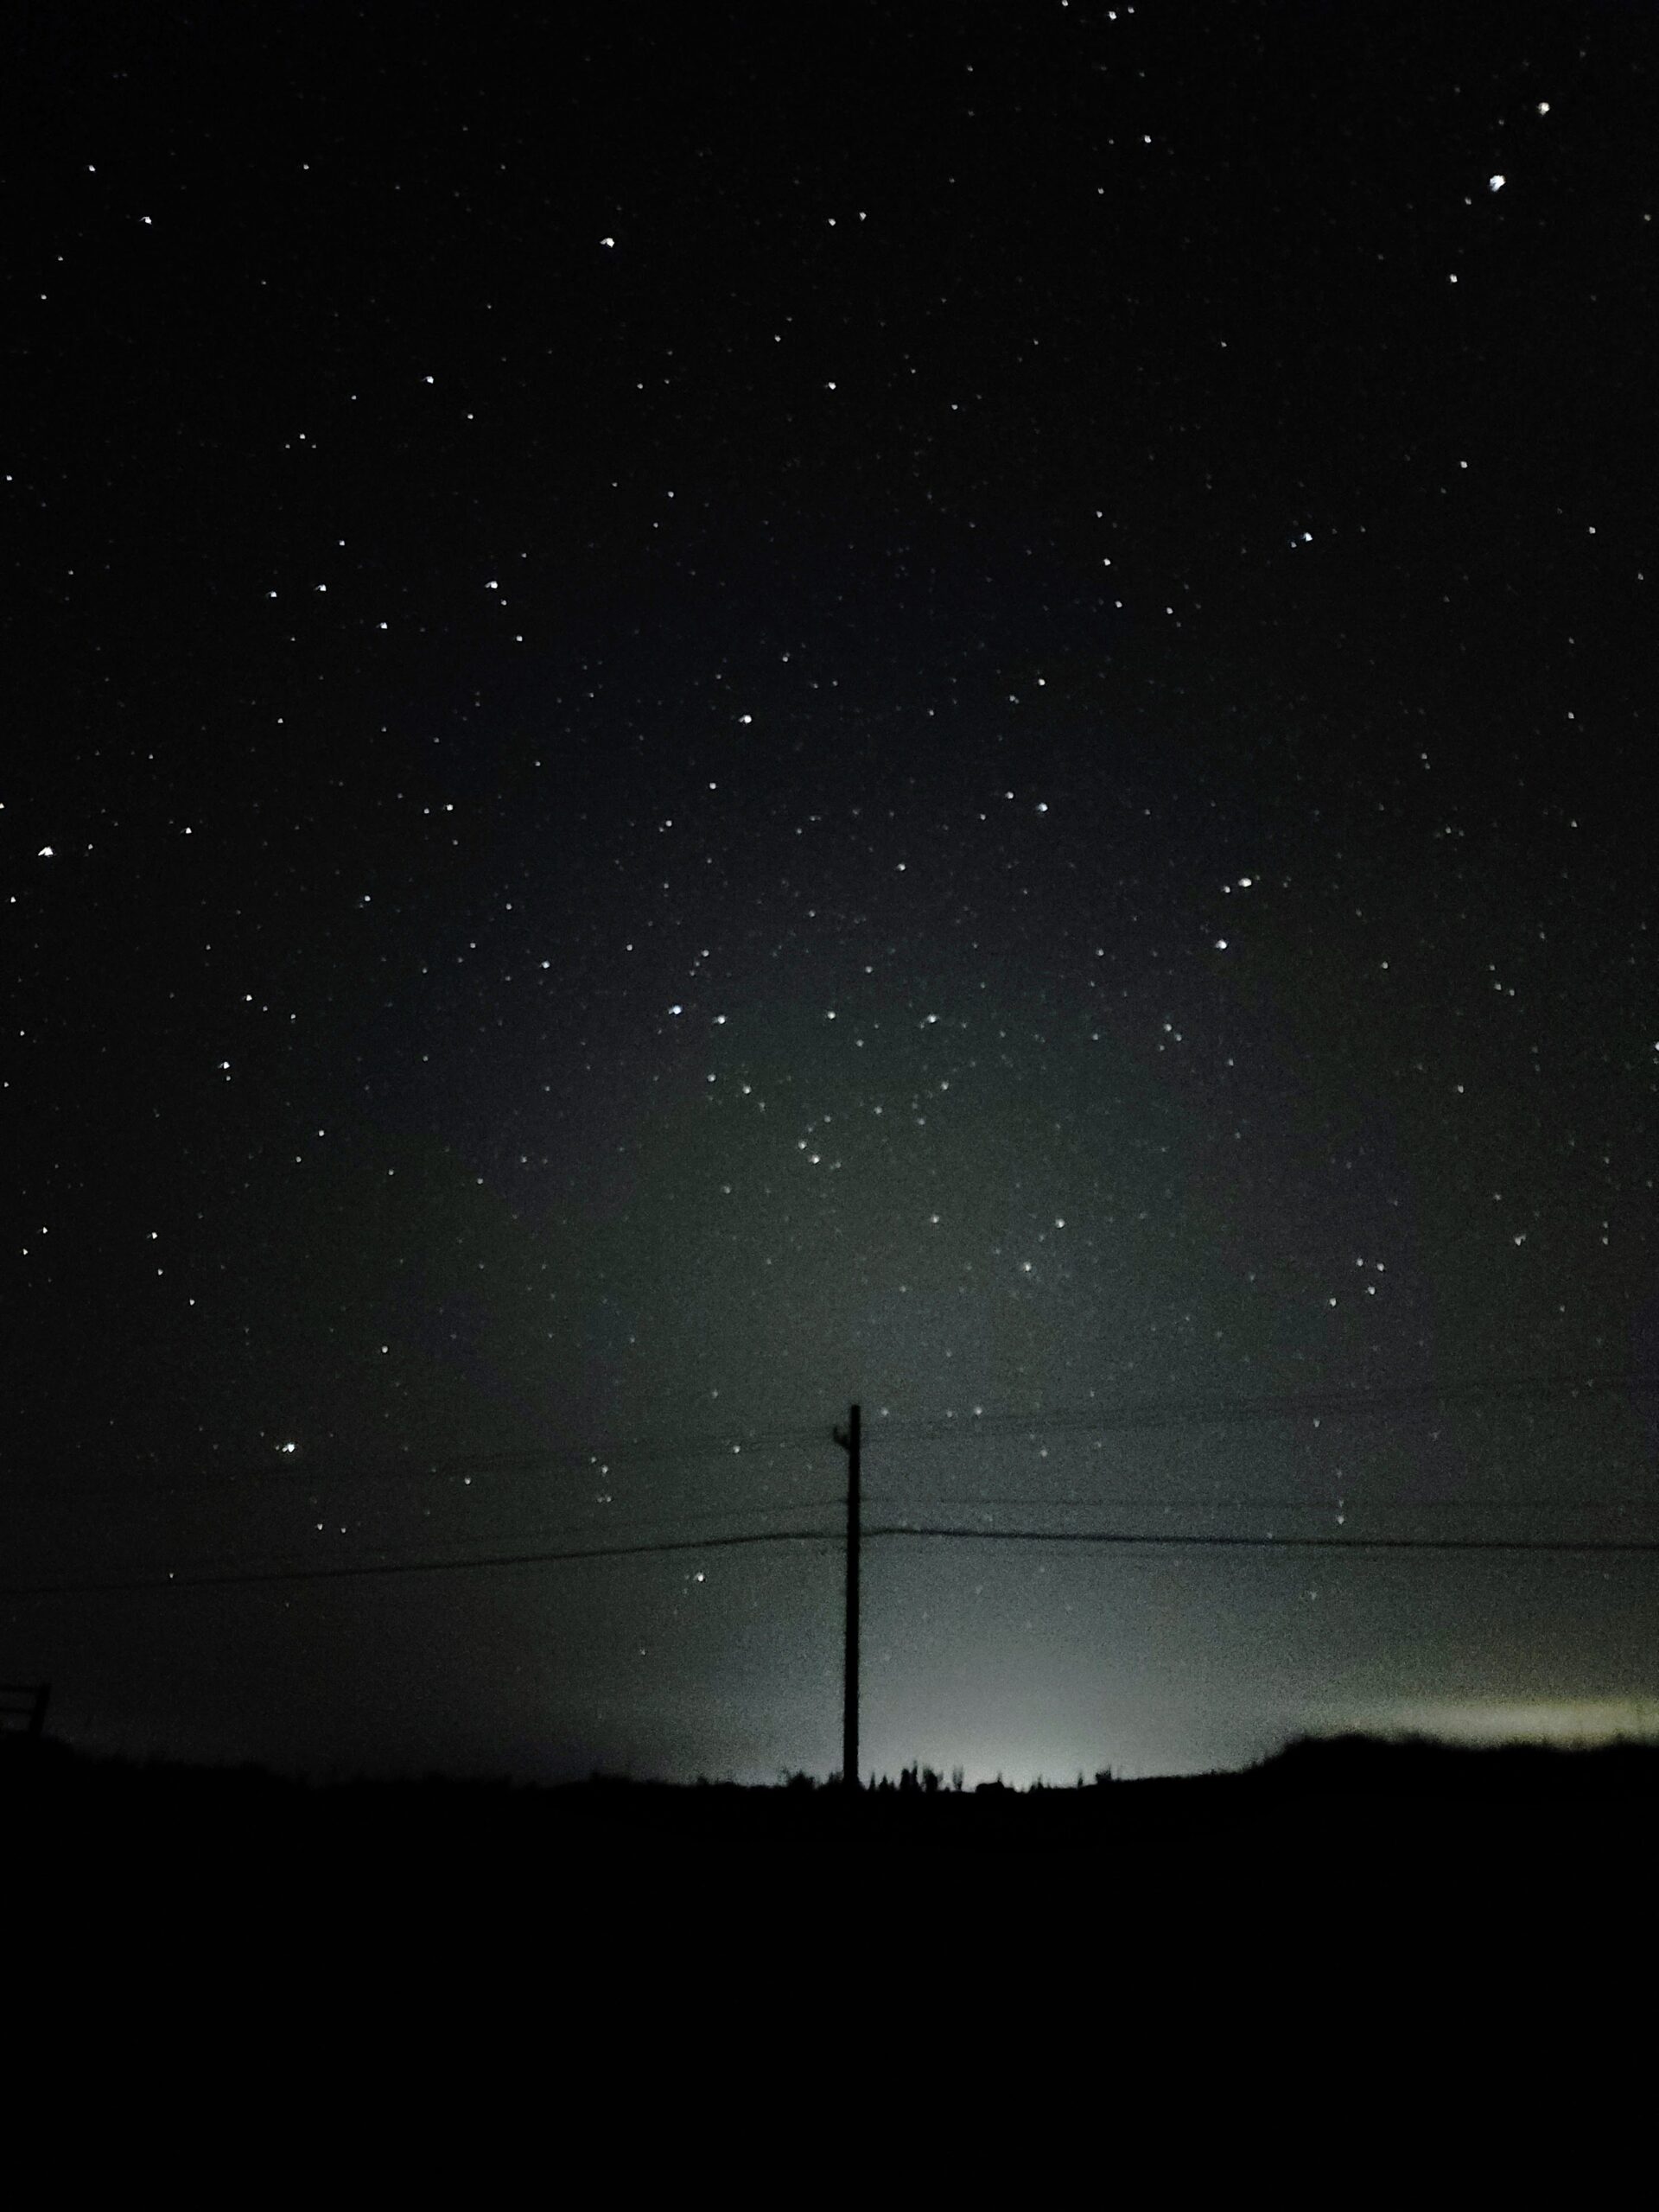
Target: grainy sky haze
(721,711)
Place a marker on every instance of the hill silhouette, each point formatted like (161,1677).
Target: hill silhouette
(61,1800)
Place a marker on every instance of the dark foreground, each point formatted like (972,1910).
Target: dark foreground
(61,1802)
(1316,1878)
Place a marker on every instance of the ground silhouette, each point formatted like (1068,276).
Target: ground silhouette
(58,1800)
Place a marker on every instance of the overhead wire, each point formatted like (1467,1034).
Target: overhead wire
(1207,1408)
(1200,1409)
(322,1472)
(1276,1542)
(229,1579)
(1350,1501)
(380,1556)
(358,1570)
(1173,1410)
(611,1458)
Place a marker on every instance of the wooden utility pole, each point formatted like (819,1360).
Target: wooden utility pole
(848,1439)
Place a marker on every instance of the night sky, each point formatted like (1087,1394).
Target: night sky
(716,711)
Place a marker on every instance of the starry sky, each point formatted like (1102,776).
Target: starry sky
(713,712)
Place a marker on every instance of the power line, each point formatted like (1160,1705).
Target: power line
(1169,1412)
(321,1473)
(359,1571)
(1208,1409)
(243,1578)
(1280,1543)
(1349,1502)
(379,1554)
(654,1519)
(1190,1409)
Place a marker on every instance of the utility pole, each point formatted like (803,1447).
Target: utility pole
(848,1439)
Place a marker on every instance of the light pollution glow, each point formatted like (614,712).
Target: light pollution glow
(1555,1720)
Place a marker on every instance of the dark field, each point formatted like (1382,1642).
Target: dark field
(53,1797)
